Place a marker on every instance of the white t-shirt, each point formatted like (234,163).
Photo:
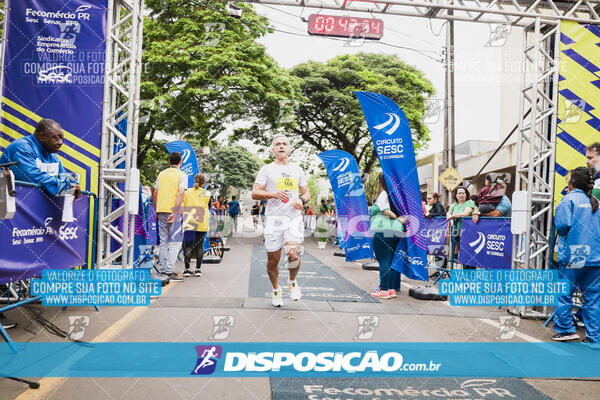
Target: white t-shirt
(288,177)
(383,201)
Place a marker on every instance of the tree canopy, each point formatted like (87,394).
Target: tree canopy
(237,166)
(328,115)
(203,69)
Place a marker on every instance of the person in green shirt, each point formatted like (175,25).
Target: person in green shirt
(387,226)
(462,207)
(325,208)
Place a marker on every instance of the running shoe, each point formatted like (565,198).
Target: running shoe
(187,273)
(392,293)
(277,298)
(7,323)
(564,337)
(295,292)
(175,277)
(197,273)
(381,294)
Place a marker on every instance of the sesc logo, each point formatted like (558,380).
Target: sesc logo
(393,120)
(185,156)
(493,242)
(416,260)
(342,165)
(479,242)
(58,74)
(207,359)
(67,232)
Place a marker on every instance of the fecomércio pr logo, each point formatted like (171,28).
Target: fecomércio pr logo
(207,359)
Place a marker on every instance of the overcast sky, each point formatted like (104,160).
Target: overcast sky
(478,83)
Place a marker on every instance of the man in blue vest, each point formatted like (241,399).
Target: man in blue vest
(38,163)
(37,159)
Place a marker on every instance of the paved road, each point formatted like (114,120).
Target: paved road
(235,292)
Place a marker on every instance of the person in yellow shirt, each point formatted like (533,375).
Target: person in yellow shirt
(168,193)
(195,204)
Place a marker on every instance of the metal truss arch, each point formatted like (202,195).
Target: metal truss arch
(513,12)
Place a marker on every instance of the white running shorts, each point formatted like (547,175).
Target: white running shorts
(280,230)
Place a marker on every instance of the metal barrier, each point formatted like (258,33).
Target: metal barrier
(20,300)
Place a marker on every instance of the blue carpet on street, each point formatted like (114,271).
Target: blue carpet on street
(317,280)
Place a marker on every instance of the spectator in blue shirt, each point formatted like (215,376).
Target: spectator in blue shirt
(234,211)
(37,159)
(502,209)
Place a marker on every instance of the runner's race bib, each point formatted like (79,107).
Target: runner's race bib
(287,184)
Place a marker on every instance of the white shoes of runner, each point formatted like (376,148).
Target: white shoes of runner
(277,297)
(295,292)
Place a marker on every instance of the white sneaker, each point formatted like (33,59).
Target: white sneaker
(295,293)
(277,298)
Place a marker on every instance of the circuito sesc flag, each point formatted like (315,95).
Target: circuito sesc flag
(350,204)
(189,163)
(392,139)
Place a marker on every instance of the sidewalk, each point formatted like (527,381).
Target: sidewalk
(231,295)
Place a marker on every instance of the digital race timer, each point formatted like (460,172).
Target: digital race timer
(337,25)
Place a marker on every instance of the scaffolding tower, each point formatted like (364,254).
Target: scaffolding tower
(125,22)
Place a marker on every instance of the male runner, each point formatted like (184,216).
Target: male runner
(278,183)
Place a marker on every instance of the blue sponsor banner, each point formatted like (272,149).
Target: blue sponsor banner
(36,238)
(392,139)
(351,207)
(189,163)
(486,244)
(54,58)
(433,233)
(54,61)
(197,359)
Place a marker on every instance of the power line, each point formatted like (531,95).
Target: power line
(422,52)
(277,9)
(289,26)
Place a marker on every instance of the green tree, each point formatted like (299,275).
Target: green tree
(330,116)
(236,165)
(203,69)
(371,184)
(314,191)
(160,160)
